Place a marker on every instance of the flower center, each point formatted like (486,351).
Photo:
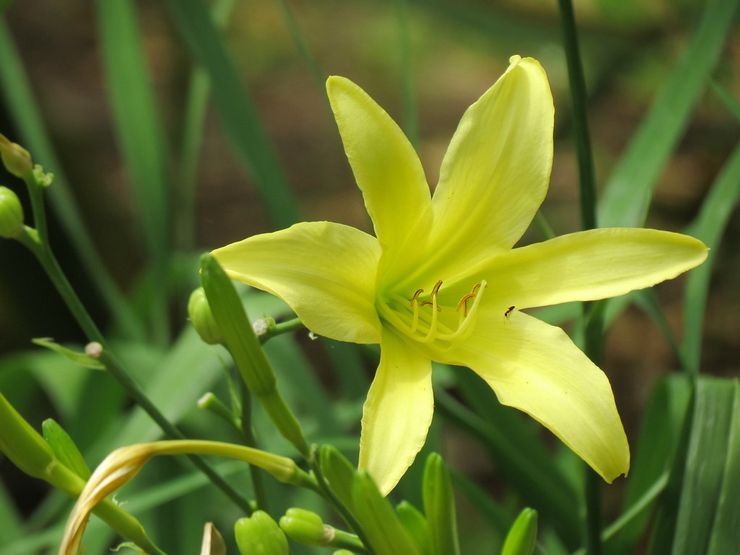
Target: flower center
(424,318)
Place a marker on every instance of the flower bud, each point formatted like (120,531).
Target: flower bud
(201,317)
(17,159)
(259,533)
(11,214)
(305,527)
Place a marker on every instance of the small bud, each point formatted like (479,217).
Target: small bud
(11,214)
(17,159)
(306,527)
(94,349)
(202,318)
(260,326)
(260,534)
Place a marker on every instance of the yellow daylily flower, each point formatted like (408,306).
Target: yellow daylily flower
(441,280)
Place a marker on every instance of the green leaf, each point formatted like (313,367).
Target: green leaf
(140,136)
(64,448)
(19,99)
(379,522)
(627,194)
(732,103)
(439,507)
(416,525)
(238,114)
(657,442)
(74,356)
(705,482)
(338,473)
(709,226)
(511,446)
(699,512)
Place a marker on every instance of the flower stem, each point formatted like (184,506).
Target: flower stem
(577,83)
(592,313)
(36,240)
(257,474)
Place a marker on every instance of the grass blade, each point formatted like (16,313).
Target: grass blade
(195,111)
(20,103)
(709,227)
(140,136)
(627,194)
(239,116)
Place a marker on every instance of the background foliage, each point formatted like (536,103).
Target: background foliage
(171,132)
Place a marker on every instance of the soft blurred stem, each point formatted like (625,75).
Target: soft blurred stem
(543,225)
(36,241)
(587,192)
(411,125)
(19,100)
(195,109)
(313,67)
(257,474)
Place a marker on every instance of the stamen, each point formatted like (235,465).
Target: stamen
(415,305)
(433,326)
(466,322)
(435,292)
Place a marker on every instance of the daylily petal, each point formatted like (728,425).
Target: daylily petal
(495,173)
(324,271)
(397,412)
(586,266)
(384,163)
(536,368)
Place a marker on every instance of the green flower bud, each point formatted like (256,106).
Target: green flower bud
(522,536)
(201,317)
(17,159)
(305,527)
(260,535)
(11,214)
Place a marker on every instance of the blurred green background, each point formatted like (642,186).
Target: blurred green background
(424,62)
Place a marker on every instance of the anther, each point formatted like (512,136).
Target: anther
(416,296)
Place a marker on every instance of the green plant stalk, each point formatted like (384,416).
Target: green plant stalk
(273,330)
(195,109)
(409,94)
(20,103)
(593,312)
(36,240)
(295,33)
(257,476)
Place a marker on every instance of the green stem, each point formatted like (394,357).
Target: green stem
(409,94)
(258,484)
(22,106)
(195,110)
(313,67)
(577,83)
(36,241)
(587,194)
(544,225)
(273,329)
